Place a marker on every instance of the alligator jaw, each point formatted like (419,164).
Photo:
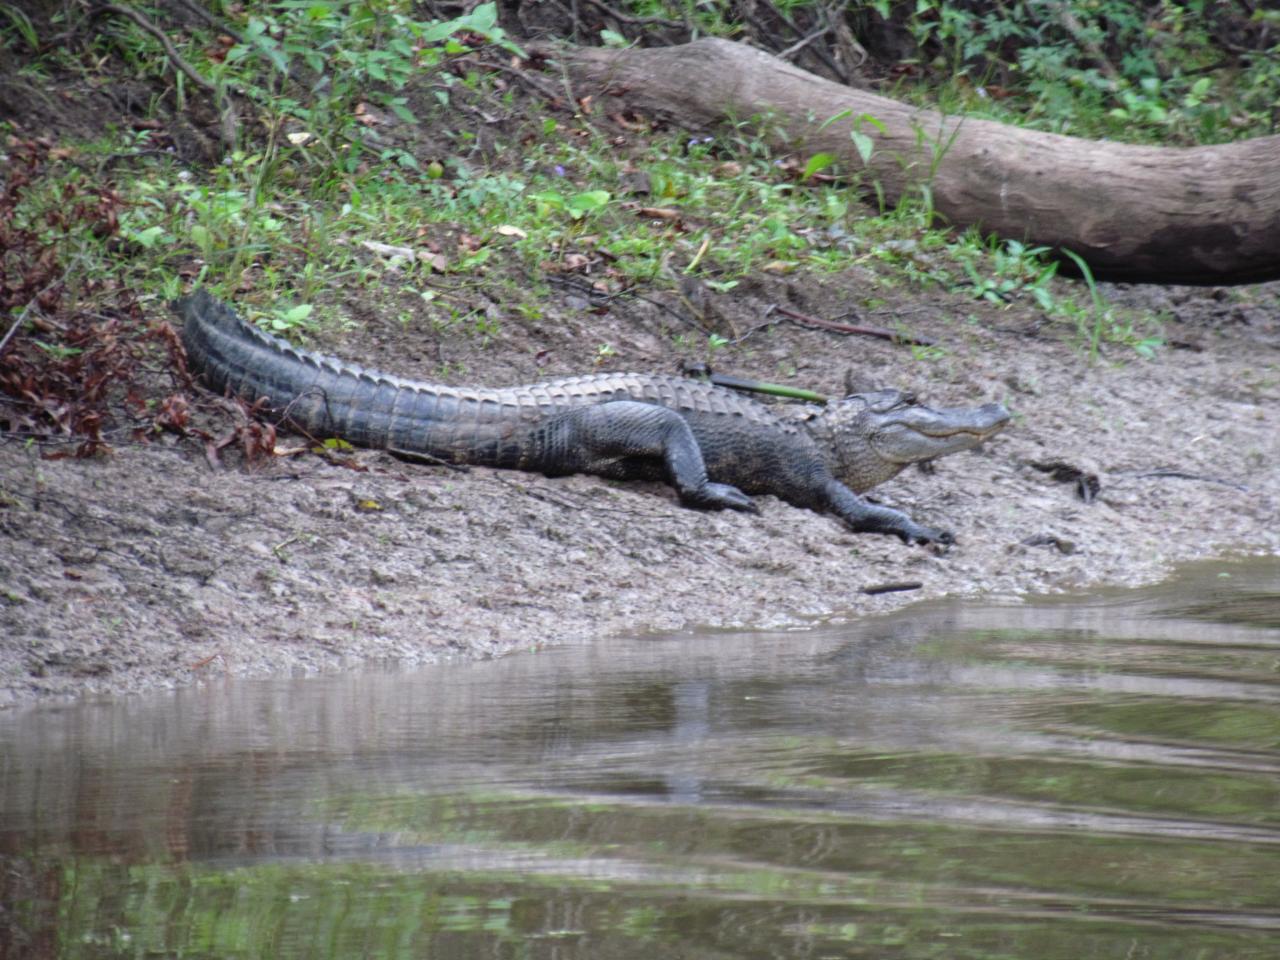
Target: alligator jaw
(872,437)
(909,434)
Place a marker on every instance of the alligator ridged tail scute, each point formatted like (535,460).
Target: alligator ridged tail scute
(325,397)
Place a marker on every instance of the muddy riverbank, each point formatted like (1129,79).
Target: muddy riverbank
(148,567)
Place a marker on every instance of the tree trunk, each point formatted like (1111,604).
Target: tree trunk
(1154,214)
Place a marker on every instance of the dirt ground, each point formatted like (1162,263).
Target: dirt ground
(148,567)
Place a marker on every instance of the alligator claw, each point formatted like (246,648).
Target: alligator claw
(722,496)
(925,535)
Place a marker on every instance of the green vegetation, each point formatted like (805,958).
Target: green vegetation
(1154,71)
(343,162)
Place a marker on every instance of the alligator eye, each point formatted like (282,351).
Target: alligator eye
(908,399)
(890,400)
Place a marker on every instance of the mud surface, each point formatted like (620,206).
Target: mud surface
(149,567)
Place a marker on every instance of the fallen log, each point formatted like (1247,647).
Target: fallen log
(1203,215)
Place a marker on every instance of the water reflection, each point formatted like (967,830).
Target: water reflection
(1057,779)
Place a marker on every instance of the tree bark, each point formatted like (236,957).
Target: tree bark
(1203,215)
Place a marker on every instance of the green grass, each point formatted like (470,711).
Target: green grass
(1147,72)
(314,199)
(283,244)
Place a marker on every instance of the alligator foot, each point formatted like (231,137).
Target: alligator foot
(720,496)
(915,533)
(863,517)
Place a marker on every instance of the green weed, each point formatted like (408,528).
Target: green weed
(1012,270)
(1101,68)
(1100,321)
(295,208)
(20,26)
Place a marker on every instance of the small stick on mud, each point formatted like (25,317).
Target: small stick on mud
(278,549)
(13,327)
(1176,474)
(537,494)
(878,332)
(898,587)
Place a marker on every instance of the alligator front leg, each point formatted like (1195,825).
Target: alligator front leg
(627,440)
(863,517)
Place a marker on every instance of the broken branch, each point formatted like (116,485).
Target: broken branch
(879,332)
(228,123)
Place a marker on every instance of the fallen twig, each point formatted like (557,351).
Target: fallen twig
(426,459)
(228,123)
(631,21)
(819,51)
(1184,475)
(529,491)
(554,99)
(879,332)
(897,587)
(205,661)
(22,314)
(799,45)
(13,327)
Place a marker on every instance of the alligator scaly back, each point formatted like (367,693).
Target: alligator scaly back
(325,396)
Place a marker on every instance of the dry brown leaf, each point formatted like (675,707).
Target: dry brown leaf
(436,261)
(658,213)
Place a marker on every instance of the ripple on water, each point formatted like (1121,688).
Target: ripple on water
(1094,776)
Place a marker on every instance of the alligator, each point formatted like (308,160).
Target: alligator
(714,445)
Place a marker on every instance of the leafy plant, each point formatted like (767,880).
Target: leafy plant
(1093,323)
(353,53)
(21,25)
(577,205)
(1108,68)
(291,319)
(862,141)
(1016,269)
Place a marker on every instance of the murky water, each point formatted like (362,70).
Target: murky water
(1073,779)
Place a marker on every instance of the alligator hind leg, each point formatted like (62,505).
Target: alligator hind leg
(627,440)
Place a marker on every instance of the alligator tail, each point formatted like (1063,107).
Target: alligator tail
(326,397)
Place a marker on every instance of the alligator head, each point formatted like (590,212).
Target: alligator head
(871,437)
